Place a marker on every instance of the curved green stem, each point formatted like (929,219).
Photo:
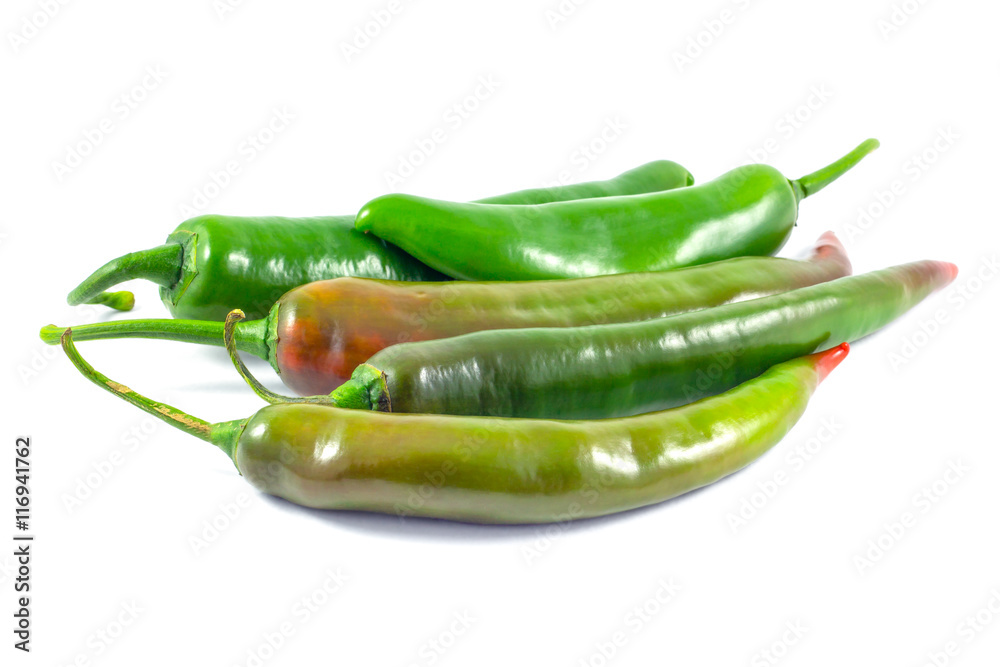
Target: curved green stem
(816,181)
(232,319)
(250,337)
(224,435)
(161,265)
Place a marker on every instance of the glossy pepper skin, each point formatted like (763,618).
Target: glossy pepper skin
(624,369)
(492,470)
(748,211)
(256,260)
(215,263)
(317,334)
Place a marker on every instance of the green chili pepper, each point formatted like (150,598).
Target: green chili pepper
(317,334)
(492,470)
(624,369)
(214,263)
(748,211)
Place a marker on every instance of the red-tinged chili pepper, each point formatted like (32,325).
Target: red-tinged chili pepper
(317,334)
(214,263)
(747,211)
(494,470)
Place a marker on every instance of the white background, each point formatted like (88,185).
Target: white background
(551,596)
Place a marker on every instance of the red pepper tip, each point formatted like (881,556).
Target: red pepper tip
(829,248)
(829,238)
(828,360)
(828,242)
(952,270)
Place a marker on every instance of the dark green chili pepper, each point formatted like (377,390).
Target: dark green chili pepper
(317,334)
(614,370)
(748,211)
(492,470)
(214,263)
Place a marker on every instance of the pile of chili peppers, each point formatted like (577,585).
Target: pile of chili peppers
(547,354)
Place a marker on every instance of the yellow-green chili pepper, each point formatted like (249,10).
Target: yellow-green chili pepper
(494,470)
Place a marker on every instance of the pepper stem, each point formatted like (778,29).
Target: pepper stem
(366,390)
(816,181)
(232,319)
(161,265)
(224,434)
(250,337)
